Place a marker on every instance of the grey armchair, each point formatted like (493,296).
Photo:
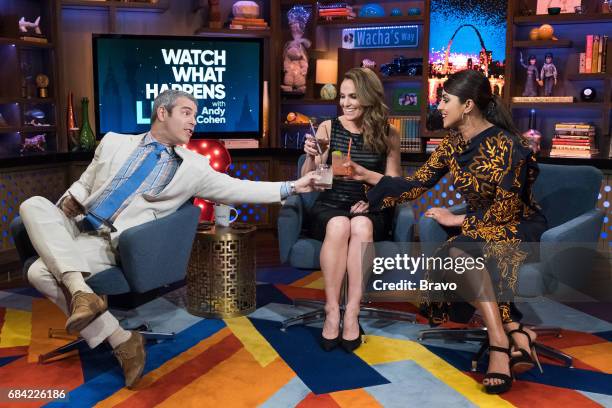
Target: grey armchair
(300,251)
(144,262)
(568,197)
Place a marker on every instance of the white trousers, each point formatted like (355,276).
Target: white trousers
(63,248)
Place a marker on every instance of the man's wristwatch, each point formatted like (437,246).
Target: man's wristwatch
(291,187)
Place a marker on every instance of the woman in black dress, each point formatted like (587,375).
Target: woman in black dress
(494,169)
(341,217)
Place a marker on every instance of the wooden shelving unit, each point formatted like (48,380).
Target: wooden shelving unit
(309,101)
(226,32)
(556,105)
(159,7)
(589,77)
(22,61)
(572,30)
(568,18)
(321,30)
(401,78)
(370,22)
(543,44)
(24,44)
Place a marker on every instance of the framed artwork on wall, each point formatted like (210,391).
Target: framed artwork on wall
(407,99)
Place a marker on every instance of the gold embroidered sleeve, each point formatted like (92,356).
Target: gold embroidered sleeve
(395,190)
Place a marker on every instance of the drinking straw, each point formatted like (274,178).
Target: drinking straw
(315,138)
(348,153)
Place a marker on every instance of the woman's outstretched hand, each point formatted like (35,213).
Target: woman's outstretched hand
(445,217)
(360,173)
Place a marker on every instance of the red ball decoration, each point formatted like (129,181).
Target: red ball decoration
(220,160)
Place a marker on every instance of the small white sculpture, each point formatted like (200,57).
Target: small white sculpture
(24,25)
(245,9)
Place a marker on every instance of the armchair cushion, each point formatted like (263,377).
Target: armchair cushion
(578,192)
(156,253)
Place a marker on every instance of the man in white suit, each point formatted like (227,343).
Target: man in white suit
(132,179)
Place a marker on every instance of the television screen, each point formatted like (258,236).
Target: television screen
(466,34)
(223,74)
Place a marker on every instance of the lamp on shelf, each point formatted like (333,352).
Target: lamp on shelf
(327,74)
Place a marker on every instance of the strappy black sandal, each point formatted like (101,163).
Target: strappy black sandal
(524,362)
(506,383)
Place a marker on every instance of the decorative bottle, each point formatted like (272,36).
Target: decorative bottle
(87,138)
(532,135)
(73,130)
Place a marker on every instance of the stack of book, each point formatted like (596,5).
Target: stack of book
(593,60)
(409,130)
(432,144)
(241,23)
(573,140)
(336,11)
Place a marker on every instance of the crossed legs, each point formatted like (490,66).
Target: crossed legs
(67,257)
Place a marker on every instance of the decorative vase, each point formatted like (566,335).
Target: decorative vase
(73,130)
(328,92)
(87,138)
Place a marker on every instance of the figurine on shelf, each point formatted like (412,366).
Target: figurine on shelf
(33,144)
(295,58)
(35,117)
(533,76)
(548,74)
(368,63)
(25,26)
(30,31)
(42,83)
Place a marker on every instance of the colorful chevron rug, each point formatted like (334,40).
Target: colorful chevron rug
(249,362)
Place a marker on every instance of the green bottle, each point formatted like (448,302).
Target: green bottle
(87,139)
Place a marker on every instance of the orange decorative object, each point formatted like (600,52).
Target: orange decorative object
(545,32)
(220,160)
(534,34)
(296,118)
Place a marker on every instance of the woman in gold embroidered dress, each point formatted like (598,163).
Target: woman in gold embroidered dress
(493,168)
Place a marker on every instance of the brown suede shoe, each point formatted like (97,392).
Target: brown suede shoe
(131,355)
(84,307)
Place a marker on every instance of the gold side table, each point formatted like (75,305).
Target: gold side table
(221,271)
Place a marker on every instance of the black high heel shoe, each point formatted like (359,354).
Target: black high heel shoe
(506,383)
(351,345)
(330,344)
(524,362)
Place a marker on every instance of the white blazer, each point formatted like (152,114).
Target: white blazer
(194,177)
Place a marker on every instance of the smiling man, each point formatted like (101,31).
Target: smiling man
(132,179)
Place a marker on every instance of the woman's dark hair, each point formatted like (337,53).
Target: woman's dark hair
(470,84)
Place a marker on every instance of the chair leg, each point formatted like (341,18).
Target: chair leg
(476,357)
(547,331)
(315,304)
(476,334)
(554,354)
(143,329)
(305,318)
(386,314)
(73,345)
